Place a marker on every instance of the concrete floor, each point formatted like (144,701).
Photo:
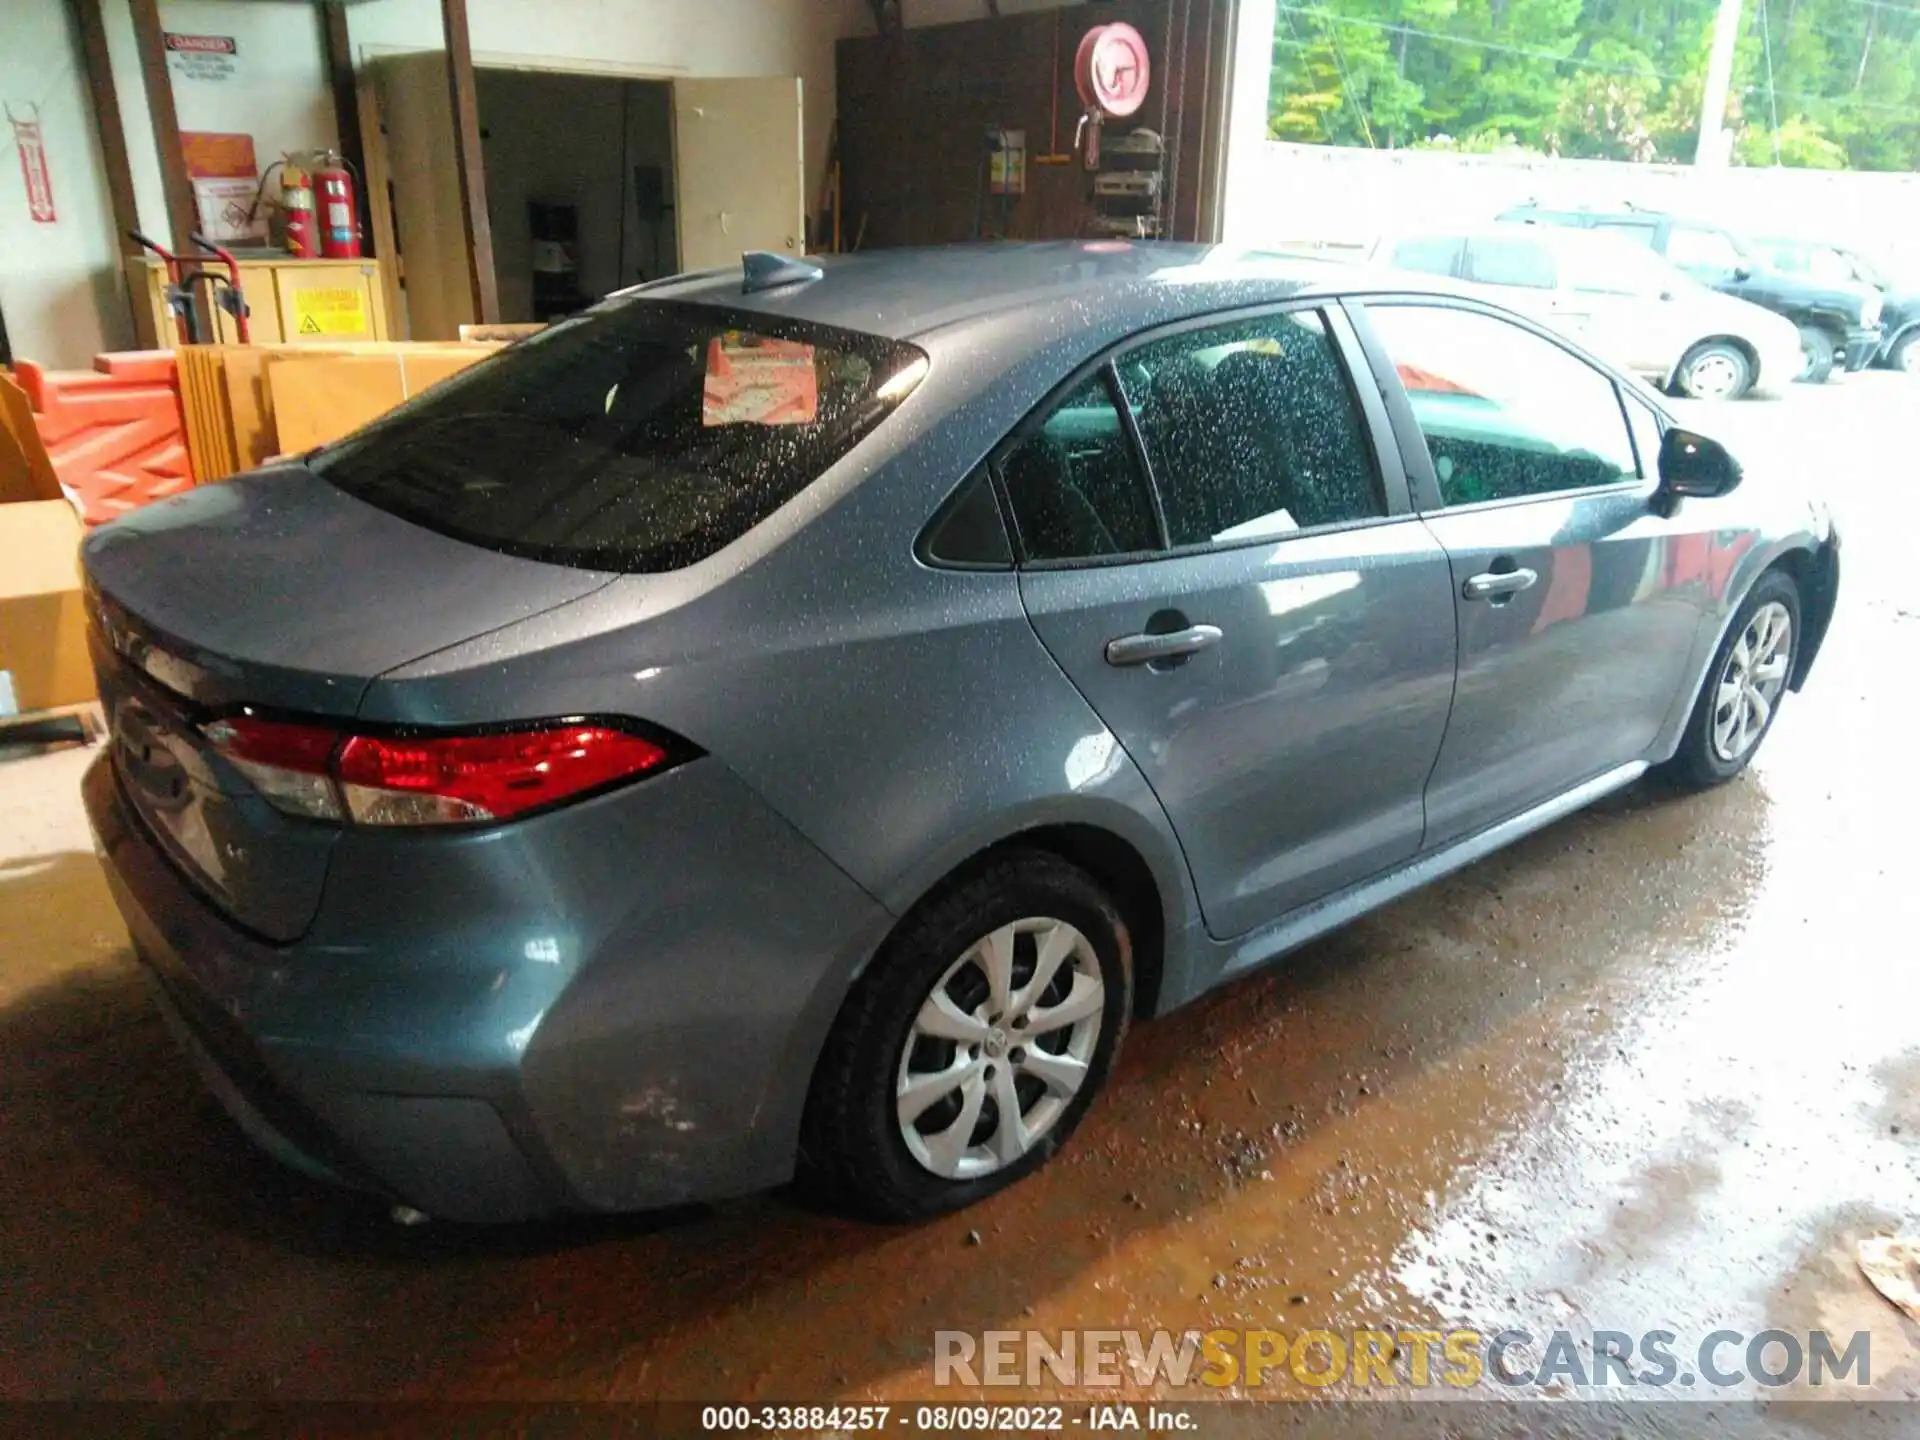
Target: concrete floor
(1657,1066)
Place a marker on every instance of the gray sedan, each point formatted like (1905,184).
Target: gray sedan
(790,721)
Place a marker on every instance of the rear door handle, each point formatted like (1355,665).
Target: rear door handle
(1174,645)
(1493,583)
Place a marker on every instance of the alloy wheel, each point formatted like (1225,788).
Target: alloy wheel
(999,1048)
(1751,682)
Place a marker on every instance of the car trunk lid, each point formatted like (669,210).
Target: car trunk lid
(279,592)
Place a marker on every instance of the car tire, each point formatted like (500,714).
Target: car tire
(856,1155)
(1904,353)
(1714,370)
(1820,350)
(1711,750)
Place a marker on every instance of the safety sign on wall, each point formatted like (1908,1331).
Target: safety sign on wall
(327,310)
(202,57)
(31,144)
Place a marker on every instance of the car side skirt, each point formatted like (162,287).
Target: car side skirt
(1309,922)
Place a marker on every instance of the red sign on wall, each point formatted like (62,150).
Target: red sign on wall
(33,164)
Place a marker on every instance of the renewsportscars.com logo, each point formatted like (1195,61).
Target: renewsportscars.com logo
(1410,1358)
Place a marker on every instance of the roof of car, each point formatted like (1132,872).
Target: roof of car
(906,293)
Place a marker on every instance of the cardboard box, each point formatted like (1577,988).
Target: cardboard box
(319,398)
(43,625)
(26,472)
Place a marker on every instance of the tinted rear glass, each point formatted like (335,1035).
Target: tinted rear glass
(642,436)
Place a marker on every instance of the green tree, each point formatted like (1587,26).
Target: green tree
(1816,82)
(1339,71)
(1801,143)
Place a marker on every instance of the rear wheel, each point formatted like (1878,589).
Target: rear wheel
(1714,370)
(974,1043)
(1743,689)
(1820,351)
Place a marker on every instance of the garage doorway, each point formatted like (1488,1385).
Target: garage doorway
(579,187)
(595,180)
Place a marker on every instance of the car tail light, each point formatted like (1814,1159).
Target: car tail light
(458,779)
(428,778)
(287,763)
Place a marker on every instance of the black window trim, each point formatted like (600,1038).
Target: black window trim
(1649,466)
(1391,482)
(1422,480)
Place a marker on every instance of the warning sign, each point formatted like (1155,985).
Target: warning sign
(328,311)
(202,57)
(33,165)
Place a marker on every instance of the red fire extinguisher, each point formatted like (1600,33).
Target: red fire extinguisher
(296,209)
(339,210)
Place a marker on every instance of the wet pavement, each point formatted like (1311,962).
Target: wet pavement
(1654,1068)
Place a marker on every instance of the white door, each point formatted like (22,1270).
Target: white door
(1621,292)
(416,122)
(739,166)
(1631,330)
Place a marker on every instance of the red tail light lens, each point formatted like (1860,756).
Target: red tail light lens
(286,763)
(462,779)
(322,773)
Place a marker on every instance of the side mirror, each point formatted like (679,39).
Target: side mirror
(1693,465)
(1743,272)
(1666,294)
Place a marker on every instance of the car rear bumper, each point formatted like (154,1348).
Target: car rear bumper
(614,1006)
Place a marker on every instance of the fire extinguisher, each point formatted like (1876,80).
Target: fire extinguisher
(296,209)
(339,210)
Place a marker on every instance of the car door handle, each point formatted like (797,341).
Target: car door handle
(1174,645)
(1493,583)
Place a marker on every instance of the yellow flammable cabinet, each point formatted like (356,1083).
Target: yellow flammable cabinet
(291,301)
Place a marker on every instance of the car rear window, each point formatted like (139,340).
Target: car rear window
(642,436)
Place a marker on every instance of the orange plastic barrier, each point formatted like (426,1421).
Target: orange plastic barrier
(114,433)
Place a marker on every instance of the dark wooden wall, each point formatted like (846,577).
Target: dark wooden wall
(915,105)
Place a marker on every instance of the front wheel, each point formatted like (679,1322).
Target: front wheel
(1820,351)
(1743,689)
(974,1043)
(1714,370)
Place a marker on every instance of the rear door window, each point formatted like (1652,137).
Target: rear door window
(1702,252)
(1497,260)
(1252,431)
(1075,485)
(1641,232)
(642,436)
(1428,255)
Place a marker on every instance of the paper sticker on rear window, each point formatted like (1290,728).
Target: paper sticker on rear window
(753,380)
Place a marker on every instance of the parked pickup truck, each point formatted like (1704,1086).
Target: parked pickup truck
(1826,263)
(1839,321)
